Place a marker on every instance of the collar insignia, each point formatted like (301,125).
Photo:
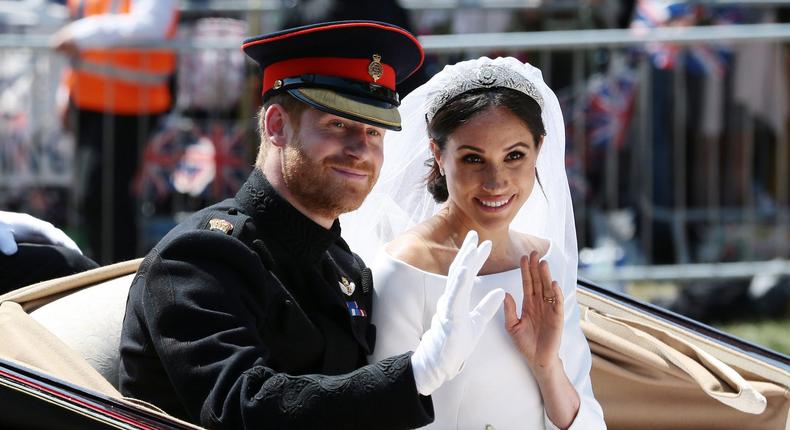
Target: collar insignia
(355,310)
(375,69)
(219,224)
(346,286)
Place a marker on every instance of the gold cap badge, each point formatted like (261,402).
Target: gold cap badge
(220,225)
(375,69)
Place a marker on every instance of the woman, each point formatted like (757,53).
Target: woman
(496,142)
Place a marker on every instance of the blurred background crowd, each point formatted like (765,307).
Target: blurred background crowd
(676,112)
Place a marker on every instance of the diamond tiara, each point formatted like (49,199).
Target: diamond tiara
(487,76)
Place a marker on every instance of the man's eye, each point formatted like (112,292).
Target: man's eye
(472,159)
(338,124)
(515,155)
(372,132)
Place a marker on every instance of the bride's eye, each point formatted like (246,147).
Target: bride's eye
(472,159)
(515,155)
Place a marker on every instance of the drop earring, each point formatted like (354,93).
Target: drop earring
(441,171)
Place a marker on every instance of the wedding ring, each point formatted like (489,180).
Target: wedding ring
(551,300)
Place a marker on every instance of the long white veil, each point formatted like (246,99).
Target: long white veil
(400,198)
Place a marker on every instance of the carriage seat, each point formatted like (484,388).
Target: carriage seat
(90,321)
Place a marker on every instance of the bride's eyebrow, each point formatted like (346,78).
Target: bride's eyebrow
(471,148)
(481,151)
(516,145)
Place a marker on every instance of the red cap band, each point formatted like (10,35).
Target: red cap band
(351,68)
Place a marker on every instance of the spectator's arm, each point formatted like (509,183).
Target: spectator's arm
(147,20)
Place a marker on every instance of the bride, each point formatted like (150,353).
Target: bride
(493,137)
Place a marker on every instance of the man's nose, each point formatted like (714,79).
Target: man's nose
(356,145)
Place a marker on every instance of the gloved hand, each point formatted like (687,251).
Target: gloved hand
(455,329)
(17,227)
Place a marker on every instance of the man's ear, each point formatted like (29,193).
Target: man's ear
(277,125)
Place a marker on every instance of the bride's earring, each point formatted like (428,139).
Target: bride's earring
(441,171)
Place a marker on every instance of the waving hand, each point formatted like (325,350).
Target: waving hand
(538,331)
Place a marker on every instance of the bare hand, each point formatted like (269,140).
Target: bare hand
(537,334)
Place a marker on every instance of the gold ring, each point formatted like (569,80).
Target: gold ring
(551,300)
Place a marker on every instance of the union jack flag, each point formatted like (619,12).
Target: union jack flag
(603,109)
(160,158)
(231,158)
(196,170)
(698,59)
(609,107)
(185,158)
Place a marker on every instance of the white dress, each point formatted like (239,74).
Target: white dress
(495,387)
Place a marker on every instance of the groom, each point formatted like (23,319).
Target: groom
(253,313)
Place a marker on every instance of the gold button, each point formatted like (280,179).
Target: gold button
(278,84)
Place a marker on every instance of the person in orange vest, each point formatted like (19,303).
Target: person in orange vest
(112,95)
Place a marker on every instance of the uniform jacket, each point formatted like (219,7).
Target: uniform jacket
(240,318)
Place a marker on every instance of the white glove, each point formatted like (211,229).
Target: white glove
(455,329)
(17,227)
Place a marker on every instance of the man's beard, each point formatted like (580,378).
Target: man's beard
(318,189)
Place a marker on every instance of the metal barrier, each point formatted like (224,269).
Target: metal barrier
(650,187)
(697,197)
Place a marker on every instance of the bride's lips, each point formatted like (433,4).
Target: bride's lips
(494,204)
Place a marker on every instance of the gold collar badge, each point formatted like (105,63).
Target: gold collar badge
(375,69)
(219,224)
(346,286)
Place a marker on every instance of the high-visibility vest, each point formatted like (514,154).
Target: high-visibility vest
(122,81)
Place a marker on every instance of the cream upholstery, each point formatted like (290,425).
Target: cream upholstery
(647,374)
(70,327)
(89,321)
(25,342)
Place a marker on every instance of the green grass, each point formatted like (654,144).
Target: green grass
(773,334)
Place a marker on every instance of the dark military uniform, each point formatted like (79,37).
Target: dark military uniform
(250,315)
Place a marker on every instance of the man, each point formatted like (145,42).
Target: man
(112,97)
(253,313)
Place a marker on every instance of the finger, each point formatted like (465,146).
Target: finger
(481,255)
(526,277)
(68,243)
(60,238)
(545,279)
(467,251)
(458,291)
(7,242)
(534,273)
(486,309)
(471,239)
(511,319)
(555,286)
